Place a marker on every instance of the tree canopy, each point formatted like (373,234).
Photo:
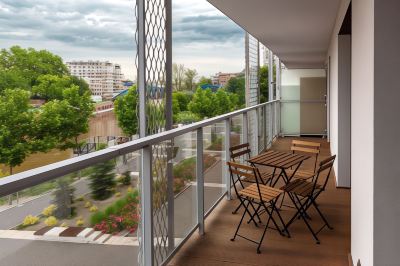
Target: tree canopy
(24,129)
(21,68)
(237,85)
(125,108)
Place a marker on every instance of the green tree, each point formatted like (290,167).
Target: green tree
(182,99)
(202,103)
(190,76)
(17,129)
(51,87)
(64,120)
(63,199)
(221,102)
(20,68)
(204,81)
(264,84)
(125,107)
(236,85)
(102,180)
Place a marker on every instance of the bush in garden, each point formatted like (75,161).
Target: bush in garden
(126,178)
(81,198)
(51,221)
(97,217)
(102,181)
(118,194)
(121,215)
(48,211)
(30,220)
(88,204)
(64,224)
(79,221)
(93,208)
(187,117)
(63,199)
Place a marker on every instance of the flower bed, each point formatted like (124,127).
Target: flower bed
(185,171)
(119,216)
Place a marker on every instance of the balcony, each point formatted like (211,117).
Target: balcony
(172,219)
(214,248)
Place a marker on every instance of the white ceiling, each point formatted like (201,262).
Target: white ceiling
(297,31)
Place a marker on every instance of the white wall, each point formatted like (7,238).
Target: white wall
(362,123)
(333,81)
(362,137)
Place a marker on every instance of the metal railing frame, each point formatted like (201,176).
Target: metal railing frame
(17,182)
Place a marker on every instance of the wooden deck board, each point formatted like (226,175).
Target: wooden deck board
(215,248)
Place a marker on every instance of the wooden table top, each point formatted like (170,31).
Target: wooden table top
(278,159)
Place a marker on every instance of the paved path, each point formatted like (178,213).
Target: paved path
(13,216)
(44,253)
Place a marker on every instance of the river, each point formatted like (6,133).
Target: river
(101,124)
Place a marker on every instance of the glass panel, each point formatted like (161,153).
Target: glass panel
(214,180)
(72,215)
(290,118)
(236,130)
(185,186)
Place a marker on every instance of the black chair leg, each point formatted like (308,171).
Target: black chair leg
(322,216)
(240,223)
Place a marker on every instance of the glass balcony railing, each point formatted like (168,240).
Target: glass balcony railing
(113,201)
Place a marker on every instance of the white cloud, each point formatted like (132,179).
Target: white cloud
(104,30)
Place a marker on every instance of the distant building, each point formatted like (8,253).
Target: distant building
(222,79)
(213,88)
(104,78)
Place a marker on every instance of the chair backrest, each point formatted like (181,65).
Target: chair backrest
(240,151)
(324,169)
(242,170)
(311,148)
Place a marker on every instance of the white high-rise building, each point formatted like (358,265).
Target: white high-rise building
(104,78)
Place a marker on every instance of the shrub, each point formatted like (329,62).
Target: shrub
(130,189)
(187,117)
(48,211)
(51,221)
(79,221)
(81,198)
(97,217)
(30,220)
(88,204)
(121,215)
(109,210)
(118,194)
(64,224)
(93,208)
(125,179)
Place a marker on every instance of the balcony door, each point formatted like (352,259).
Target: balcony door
(313,106)
(303,102)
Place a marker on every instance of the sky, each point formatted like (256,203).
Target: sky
(203,38)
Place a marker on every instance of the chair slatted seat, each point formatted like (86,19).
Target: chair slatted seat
(267,193)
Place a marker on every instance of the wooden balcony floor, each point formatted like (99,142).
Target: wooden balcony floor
(215,247)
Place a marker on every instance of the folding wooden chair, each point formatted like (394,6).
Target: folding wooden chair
(309,148)
(257,194)
(304,194)
(240,154)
